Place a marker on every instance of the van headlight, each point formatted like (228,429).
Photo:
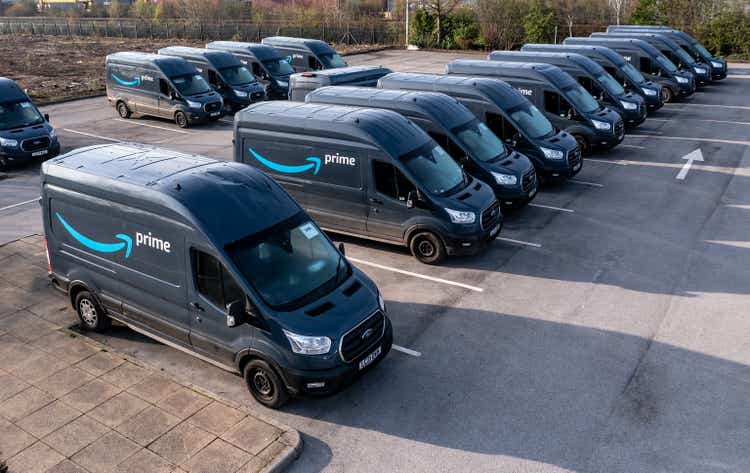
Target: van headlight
(681,80)
(628,105)
(604,126)
(282,84)
(700,70)
(240,93)
(192,104)
(8,143)
(649,92)
(552,153)
(461,216)
(304,345)
(504,179)
(381,302)
(717,65)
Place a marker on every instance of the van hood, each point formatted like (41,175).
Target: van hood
(23,133)
(207,97)
(475,197)
(562,140)
(515,162)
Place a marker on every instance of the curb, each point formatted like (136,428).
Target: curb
(289,436)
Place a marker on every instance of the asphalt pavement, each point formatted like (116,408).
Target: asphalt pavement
(605,331)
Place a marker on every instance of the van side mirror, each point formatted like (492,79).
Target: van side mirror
(342,249)
(516,139)
(46,117)
(236,314)
(411,199)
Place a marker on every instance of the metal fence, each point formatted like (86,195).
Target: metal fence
(365,32)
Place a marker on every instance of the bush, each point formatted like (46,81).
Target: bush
(462,30)
(647,13)
(423,26)
(539,24)
(727,33)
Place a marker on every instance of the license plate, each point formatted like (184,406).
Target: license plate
(40,153)
(370,358)
(216,114)
(495,230)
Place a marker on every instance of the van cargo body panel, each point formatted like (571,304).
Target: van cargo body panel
(301,84)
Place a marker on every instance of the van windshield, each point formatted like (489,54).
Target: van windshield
(19,115)
(278,67)
(683,56)
(531,121)
(580,99)
(290,264)
(237,75)
(632,73)
(609,84)
(190,84)
(702,50)
(434,169)
(332,61)
(665,63)
(480,141)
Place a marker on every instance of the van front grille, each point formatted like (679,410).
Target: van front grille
(619,129)
(212,107)
(490,216)
(574,157)
(529,180)
(35,144)
(363,337)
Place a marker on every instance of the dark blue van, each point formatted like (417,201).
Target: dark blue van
(25,134)
(214,259)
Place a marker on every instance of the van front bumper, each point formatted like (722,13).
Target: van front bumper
(465,245)
(330,381)
(17,155)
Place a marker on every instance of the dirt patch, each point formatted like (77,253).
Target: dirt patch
(57,68)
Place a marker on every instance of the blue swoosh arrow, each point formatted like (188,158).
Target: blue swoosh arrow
(132,83)
(314,164)
(288,59)
(95,245)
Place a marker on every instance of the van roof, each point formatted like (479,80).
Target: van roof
(340,75)
(437,107)
(314,45)
(512,70)
(10,92)
(170,65)
(615,42)
(382,128)
(578,60)
(184,187)
(263,52)
(482,88)
(592,49)
(658,36)
(216,58)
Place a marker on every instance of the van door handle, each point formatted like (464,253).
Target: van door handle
(197,306)
(373,200)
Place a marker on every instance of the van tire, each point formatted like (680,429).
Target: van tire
(90,313)
(583,144)
(181,120)
(123,110)
(427,248)
(264,384)
(667,95)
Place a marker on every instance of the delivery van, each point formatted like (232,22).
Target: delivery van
(566,103)
(455,128)
(224,72)
(267,65)
(630,78)
(306,54)
(649,61)
(554,153)
(370,173)
(160,86)
(25,133)
(133,235)
(302,83)
(688,43)
(593,78)
(670,49)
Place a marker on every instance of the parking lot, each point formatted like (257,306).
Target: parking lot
(605,330)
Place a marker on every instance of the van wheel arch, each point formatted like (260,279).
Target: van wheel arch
(415,230)
(74,289)
(253,355)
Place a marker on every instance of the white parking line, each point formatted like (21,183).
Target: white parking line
(736,107)
(628,146)
(92,135)
(520,242)
(406,350)
(734,206)
(19,204)
(725,121)
(416,275)
(131,122)
(560,209)
(607,161)
(689,138)
(585,183)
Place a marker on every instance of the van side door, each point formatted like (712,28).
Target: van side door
(210,292)
(558,109)
(387,195)
(166,99)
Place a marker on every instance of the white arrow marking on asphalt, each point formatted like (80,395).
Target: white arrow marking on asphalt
(695,155)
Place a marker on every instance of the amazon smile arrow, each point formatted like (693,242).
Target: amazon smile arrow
(127,242)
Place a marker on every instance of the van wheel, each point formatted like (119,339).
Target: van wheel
(427,248)
(181,119)
(666,95)
(583,145)
(265,385)
(91,314)
(123,110)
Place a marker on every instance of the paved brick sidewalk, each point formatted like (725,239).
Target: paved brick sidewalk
(67,405)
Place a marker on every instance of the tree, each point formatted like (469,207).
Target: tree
(116,9)
(501,22)
(24,8)
(539,23)
(646,13)
(618,8)
(440,9)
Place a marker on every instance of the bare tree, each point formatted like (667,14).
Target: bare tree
(440,9)
(619,7)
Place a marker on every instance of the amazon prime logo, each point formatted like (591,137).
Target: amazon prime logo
(338,159)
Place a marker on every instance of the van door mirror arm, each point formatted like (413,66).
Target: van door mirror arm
(236,313)
(412,199)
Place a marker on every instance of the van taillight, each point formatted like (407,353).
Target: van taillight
(308,74)
(46,250)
